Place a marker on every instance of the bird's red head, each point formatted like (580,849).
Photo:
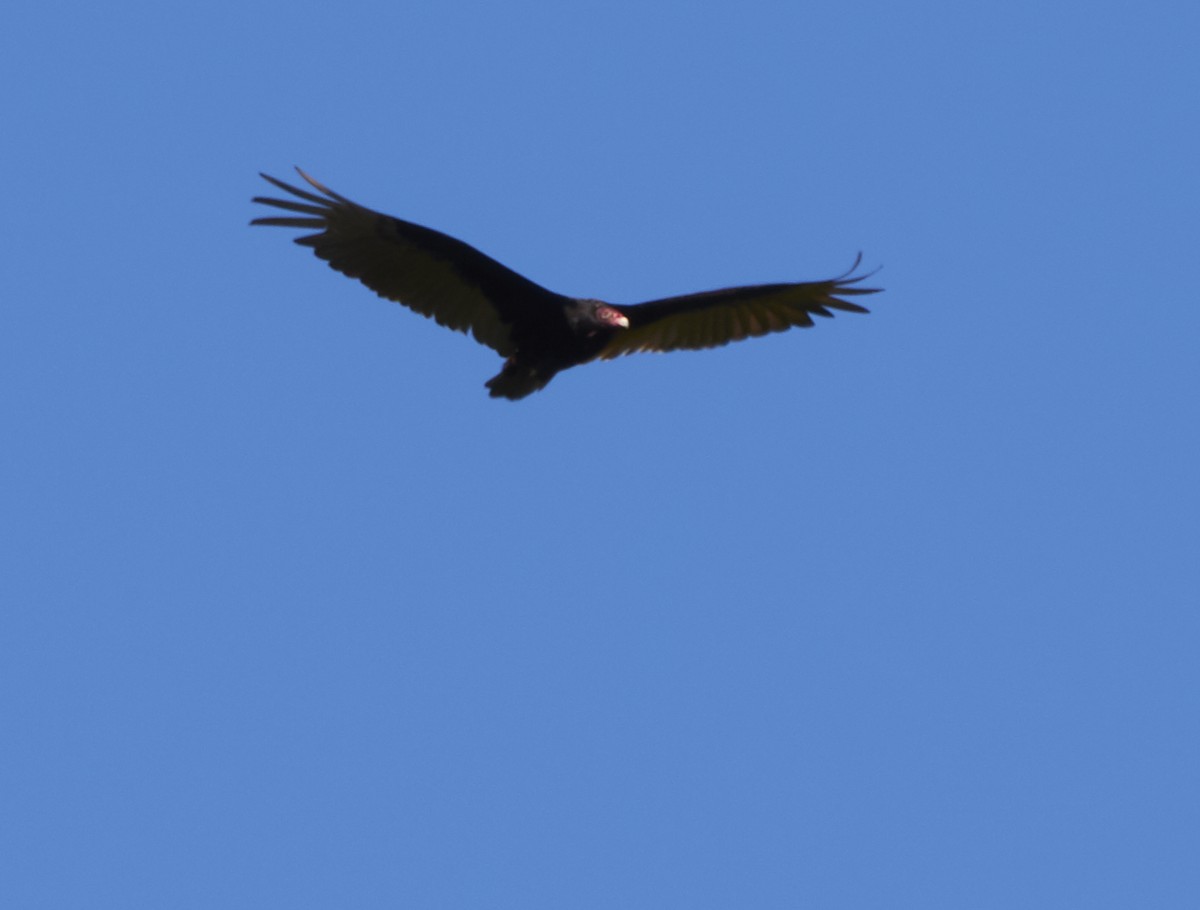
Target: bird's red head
(611,316)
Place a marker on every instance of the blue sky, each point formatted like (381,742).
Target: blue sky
(897,612)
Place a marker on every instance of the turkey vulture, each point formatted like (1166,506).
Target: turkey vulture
(538,331)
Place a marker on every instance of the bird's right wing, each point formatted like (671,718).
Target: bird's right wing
(426,270)
(713,318)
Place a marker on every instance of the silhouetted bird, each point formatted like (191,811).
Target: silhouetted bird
(539,331)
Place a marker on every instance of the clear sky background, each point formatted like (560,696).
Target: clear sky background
(900,611)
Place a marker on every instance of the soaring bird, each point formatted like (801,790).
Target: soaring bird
(538,331)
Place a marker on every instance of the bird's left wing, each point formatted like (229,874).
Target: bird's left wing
(426,270)
(713,318)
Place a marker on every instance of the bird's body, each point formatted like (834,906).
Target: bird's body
(540,332)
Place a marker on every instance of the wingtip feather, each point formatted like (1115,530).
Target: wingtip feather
(316,184)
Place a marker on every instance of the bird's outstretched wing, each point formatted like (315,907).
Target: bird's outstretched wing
(714,318)
(424,269)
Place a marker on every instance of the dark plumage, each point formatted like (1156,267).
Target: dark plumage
(538,331)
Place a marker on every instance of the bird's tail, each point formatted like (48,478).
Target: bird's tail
(517,380)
